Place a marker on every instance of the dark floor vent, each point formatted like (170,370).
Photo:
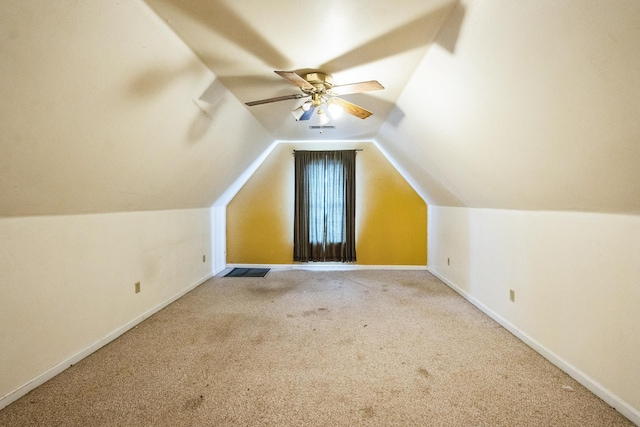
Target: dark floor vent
(247,272)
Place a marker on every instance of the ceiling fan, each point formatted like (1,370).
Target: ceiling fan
(322,94)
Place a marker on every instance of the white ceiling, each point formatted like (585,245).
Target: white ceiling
(244,42)
(527,104)
(537,108)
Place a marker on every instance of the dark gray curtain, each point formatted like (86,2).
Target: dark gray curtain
(325,199)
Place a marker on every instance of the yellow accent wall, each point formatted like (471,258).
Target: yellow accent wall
(391,218)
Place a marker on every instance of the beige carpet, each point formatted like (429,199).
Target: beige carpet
(361,348)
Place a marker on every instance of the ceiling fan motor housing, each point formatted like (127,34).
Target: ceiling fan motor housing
(322,83)
(318,78)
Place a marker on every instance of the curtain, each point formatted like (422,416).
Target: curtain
(325,196)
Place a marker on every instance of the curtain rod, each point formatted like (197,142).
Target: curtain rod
(356,149)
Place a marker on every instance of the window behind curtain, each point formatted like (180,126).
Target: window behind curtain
(324,223)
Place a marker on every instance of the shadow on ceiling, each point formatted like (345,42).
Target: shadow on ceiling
(417,33)
(209,103)
(224,21)
(442,25)
(448,35)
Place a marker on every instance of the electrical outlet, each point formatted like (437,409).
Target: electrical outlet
(204,258)
(512,295)
(448,262)
(137,287)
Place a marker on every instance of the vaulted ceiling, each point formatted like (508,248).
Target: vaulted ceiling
(118,106)
(244,42)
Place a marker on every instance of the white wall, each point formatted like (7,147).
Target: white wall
(67,283)
(101,115)
(576,278)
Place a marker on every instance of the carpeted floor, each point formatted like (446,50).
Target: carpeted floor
(300,348)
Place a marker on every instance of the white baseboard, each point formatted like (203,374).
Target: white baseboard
(60,367)
(328,266)
(592,385)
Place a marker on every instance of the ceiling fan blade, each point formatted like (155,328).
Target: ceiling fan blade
(356,87)
(307,114)
(295,79)
(276,99)
(352,109)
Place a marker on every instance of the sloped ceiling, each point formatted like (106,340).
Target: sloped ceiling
(115,106)
(244,42)
(100,112)
(536,107)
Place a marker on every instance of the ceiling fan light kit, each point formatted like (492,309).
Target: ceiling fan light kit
(298,112)
(335,109)
(323,96)
(323,118)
